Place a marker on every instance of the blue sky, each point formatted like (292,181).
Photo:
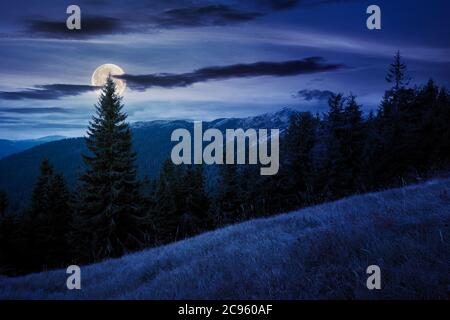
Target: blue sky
(207,59)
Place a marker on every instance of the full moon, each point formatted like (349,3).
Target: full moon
(101,74)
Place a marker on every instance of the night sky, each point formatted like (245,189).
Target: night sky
(202,60)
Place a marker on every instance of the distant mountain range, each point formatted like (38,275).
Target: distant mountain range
(151,141)
(8,147)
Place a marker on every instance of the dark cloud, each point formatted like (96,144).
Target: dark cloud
(221,14)
(90,26)
(168,80)
(278,4)
(47,92)
(170,15)
(212,15)
(309,95)
(277,69)
(93,26)
(35,110)
(192,16)
(289,4)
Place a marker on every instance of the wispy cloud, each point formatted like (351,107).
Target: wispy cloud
(288,4)
(171,18)
(172,15)
(277,69)
(170,80)
(92,26)
(35,110)
(47,92)
(309,95)
(212,15)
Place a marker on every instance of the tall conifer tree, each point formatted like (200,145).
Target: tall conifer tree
(195,216)
(397,73)
(229,197)
(109,219)
(333,165)
(50,220)
(300,141)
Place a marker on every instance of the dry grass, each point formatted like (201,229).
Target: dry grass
(320,252)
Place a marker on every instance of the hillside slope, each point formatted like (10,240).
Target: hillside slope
(8,147)
(319,252)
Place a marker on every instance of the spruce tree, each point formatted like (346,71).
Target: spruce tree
(50,220)
(58,222)
(441,129)
(371,149)
(353,144)
(109,220)
(333,164)
(418,141)
(229,196)
(166,200)
(397,73)
(40,201)
(300,140)
(40,207)
(178,205)
(391,158)
(3,203)
(397,97)
(195,218)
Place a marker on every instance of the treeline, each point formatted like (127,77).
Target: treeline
(323,157)
(341,153)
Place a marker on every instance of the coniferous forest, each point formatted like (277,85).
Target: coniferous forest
(323,157)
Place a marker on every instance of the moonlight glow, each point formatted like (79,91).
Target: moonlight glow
(101,74)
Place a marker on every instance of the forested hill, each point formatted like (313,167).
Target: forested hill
(320,252)
(8,147)
(151,141)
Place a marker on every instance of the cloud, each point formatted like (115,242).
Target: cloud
(277,69)
(47,92)
(58,125)
(309,95)
(94,26)
(170,15)
(90,26)
(289,4)
(278,4)
(191,16)
(211,15)
(168,80)
(35,110)
(9,120)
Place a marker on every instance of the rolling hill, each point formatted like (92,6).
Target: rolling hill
(320,252)
(8,147)
(151,141)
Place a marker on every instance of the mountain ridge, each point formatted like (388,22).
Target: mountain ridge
(8,147)
(151,142)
